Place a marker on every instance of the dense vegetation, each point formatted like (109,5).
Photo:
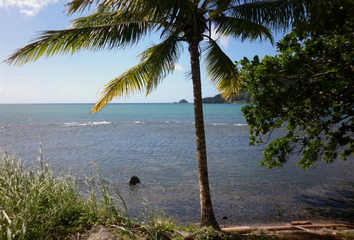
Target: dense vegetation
(308,88)
(242,97)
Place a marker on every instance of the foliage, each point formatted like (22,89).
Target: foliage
(216,99)
(307,89)
(154,219)
(37,204)
(211,234)
(242,97)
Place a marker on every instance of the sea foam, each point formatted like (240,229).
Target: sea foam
(70,124)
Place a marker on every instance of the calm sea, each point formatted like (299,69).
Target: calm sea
(156,142)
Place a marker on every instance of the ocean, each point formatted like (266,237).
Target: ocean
(156,142)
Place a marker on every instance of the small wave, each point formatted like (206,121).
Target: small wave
(162,122)
(139,122)
(219,124)
(240,124)
(6,126)
(228,124)
(86,124)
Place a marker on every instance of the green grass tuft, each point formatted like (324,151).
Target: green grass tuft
(37,204)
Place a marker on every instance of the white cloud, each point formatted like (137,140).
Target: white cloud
(27,7)
(178,67)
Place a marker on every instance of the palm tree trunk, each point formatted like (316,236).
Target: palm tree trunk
(207,214)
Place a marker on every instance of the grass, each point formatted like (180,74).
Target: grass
(35,203)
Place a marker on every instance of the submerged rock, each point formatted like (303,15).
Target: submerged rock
(134,180)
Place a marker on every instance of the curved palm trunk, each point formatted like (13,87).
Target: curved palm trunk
(207,214)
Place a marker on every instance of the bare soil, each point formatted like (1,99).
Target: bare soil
(322,234)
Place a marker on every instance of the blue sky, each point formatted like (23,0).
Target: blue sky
(78,78)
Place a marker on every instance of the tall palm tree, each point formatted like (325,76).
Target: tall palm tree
(117,24)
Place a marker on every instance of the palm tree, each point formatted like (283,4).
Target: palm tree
(117,24)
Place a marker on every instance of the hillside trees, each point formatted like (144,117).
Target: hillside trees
(241,97)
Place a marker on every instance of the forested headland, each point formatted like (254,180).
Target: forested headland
(242,97)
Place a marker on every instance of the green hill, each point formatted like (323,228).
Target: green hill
(242,97)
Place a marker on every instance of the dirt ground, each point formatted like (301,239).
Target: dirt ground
(297,230)
(100,232)
(322,234)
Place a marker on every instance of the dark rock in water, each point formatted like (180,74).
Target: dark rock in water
(134,180)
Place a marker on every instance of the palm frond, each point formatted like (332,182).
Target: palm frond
(276,14)
(78,5)
(222,5)
(105,17)
(155,9)
(221,70)
(95,32)
(82,5)
(175,12)
(156,62)
(131,81)
(243,29)
(161,59)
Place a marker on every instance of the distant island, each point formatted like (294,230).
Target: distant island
(242,97)
(182,101)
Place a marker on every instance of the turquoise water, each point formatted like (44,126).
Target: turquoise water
(156,142)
